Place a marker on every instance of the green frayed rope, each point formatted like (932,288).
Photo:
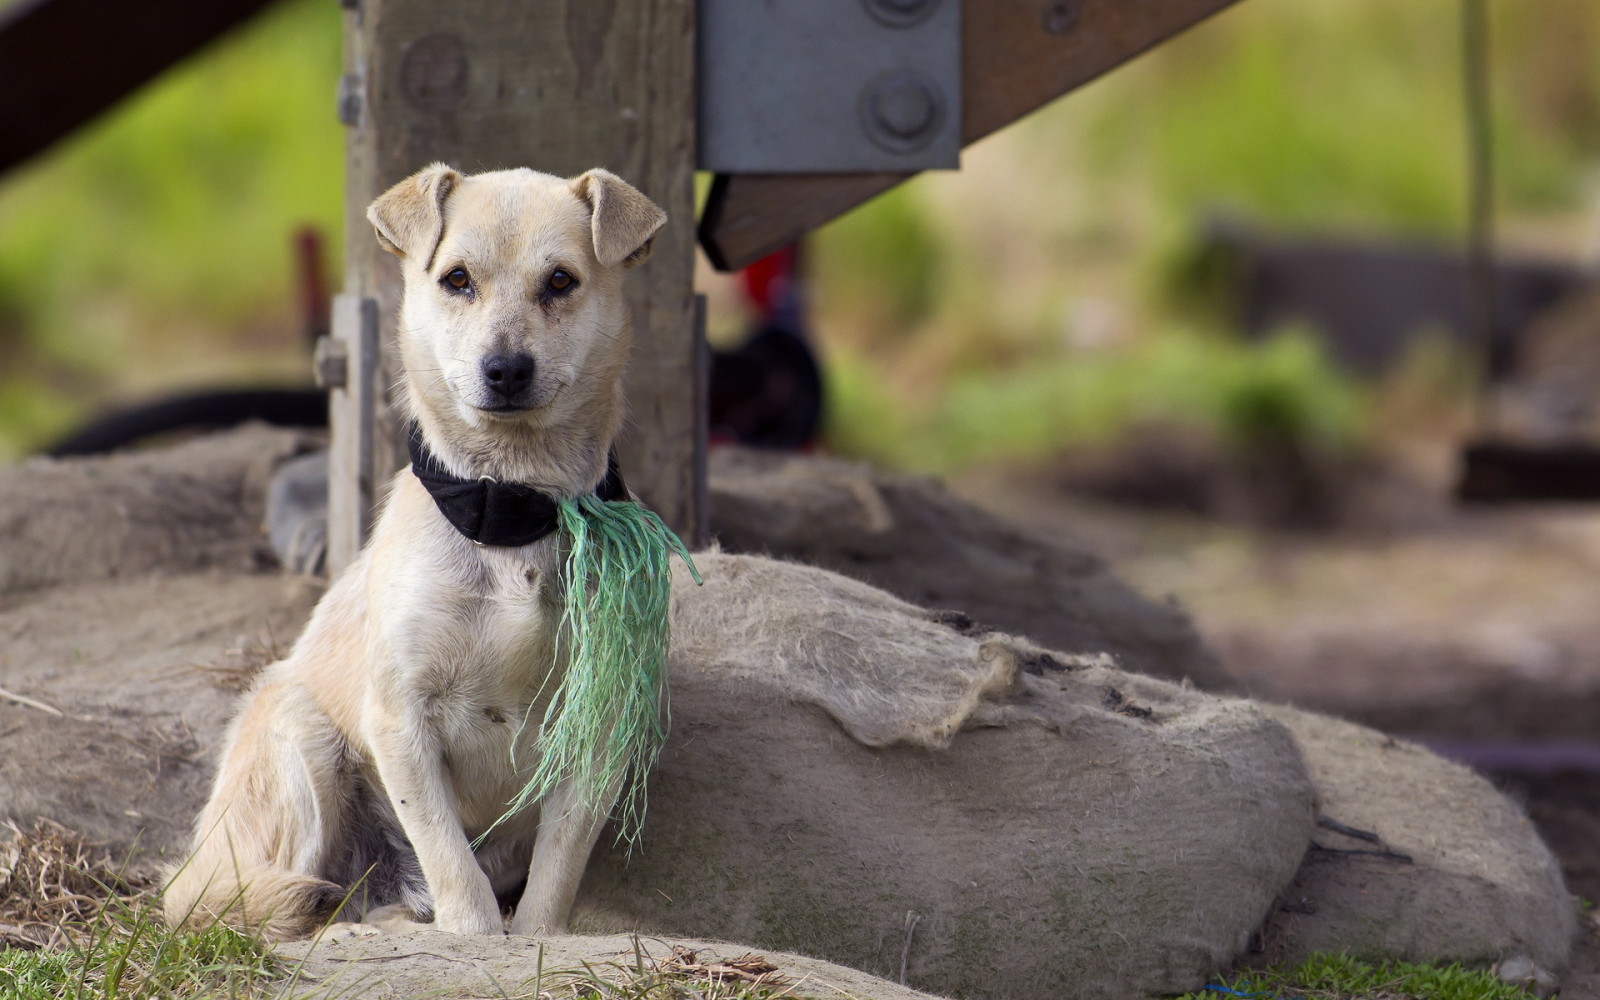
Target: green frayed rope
(606,722)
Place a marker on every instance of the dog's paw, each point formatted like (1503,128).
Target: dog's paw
(470,922)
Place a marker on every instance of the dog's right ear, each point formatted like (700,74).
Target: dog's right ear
(409,217)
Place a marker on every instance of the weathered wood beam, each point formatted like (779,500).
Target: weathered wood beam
(65,61)
(560,86)
(1017,55)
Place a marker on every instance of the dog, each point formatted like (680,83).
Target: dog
(366,772)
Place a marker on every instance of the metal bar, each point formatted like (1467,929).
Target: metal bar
(1480,289)
(66,61)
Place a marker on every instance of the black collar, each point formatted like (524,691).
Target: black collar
(490,512)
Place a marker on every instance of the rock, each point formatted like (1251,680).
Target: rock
(915,539)
(188,507)
(1521,972)
(849,775)
(1456,872)
(841,764)
(428,963)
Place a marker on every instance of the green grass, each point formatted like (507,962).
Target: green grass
(1340,977)
(129,953)
(1240,395)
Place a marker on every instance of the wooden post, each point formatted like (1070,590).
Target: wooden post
(560,86)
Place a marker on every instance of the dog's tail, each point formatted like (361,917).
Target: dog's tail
(272,902)
(261,840)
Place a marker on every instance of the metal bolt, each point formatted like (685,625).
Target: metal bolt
(902,110)
(904,107)
(900,13)
(330,363)
(350,100)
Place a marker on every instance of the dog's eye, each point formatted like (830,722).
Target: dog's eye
(561,281)
(458,279)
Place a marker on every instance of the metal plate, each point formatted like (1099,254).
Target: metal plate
(829,86)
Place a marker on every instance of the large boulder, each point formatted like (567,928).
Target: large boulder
(851,778)
(849,775)
(914,538)
(1423,859)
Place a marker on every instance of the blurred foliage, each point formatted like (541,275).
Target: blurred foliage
(154,246)
(1243,395)
(1033,299)
(1068,300)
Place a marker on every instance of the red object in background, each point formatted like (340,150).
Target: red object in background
(311,283)
(767,392)
(769,283)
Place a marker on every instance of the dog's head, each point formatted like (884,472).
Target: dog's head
(513,308)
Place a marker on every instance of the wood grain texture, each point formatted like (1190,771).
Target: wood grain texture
(559,86)
(1016,56)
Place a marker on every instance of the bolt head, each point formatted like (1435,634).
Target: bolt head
(904,107)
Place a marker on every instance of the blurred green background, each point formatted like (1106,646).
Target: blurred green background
(1033,302)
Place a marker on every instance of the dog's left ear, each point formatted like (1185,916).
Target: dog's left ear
(623,222)
(409,217)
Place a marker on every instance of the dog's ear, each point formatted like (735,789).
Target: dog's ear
(623,220)
(409,217)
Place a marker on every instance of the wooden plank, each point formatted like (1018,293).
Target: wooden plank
(1017,55)
(351,405)
(65,61)
(560,86)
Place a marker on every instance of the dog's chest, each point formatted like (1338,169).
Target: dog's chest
(482,647)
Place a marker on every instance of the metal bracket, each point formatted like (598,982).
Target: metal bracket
(330,363)
(829,86)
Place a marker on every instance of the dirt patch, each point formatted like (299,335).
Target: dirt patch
(130,684)
(427,963)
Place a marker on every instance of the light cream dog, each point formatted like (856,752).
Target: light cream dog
(383,745)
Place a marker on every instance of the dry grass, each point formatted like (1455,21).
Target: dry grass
(75,926)
(54,886)
(239,664)
(683,975)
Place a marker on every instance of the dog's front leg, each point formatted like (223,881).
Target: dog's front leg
(567,832)
(411,765)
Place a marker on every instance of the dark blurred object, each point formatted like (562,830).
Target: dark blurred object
(200,411)
(767,393)
(1500,471)
(1370,299)
(218,409)
(68,60)
(1541,420)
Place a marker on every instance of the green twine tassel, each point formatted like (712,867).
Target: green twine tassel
(606,723)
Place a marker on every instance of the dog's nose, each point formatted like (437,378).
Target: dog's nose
(507,374)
